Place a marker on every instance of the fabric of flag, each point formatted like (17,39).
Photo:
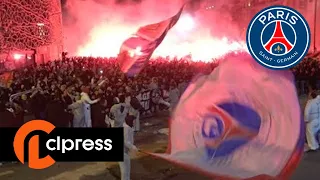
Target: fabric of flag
(137,50)
(241,121)
(6,79)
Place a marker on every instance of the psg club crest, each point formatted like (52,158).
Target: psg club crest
(278,37)
(227,127)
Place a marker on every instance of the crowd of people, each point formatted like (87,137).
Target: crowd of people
(93,92)
(56,87)
(309,69)
(307,72)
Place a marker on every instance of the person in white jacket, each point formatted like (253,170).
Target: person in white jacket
(125,166)
(119,112)
(86,104)
(312,119)
(128,133)
(78,113)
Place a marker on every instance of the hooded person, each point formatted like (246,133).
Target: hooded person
(119,111)
(125,165)
(312,119)
(87,105)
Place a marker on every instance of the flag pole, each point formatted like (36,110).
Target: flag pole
(315,26)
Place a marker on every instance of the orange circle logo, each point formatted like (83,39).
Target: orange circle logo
(33,145)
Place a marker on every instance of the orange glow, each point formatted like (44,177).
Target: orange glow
(184,39)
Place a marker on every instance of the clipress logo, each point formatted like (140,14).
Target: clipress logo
(65,145)
(41,144)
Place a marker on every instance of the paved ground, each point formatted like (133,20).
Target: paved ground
(143,167)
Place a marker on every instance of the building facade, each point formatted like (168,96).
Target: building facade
(31,25)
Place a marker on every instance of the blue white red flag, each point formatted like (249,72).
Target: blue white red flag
(137,50)
(241,121)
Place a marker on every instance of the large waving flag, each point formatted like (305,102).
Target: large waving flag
(241,121)
(137,50)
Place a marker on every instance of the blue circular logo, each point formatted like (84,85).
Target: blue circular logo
(227,127)
(278,37)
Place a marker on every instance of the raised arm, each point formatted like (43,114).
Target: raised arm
(74,105)
(86,98)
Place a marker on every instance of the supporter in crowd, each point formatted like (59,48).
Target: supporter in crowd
(98,112)
(134,111)
(6,115)
(174,95)
(125,166)
(119,111)
(87,102)
(312,119)
(55,112)
(78,113)
(38,104)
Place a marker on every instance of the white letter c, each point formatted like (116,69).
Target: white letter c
(48,144)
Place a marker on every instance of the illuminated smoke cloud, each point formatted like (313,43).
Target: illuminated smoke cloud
(95,28)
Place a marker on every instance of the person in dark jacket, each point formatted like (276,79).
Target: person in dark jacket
(38,105)
(55,112)
(18,115)
(98,113)
(66,98)
(7,116)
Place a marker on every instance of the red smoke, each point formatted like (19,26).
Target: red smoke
(100,29)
